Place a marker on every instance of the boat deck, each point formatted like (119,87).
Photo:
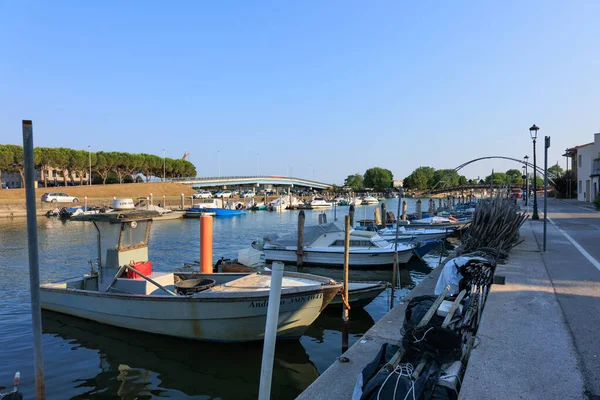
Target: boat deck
(253,282)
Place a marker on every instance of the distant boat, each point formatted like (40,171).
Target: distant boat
(369,200)
(324,244)
(319,202)
(406,234)
(357,201)
(231,310)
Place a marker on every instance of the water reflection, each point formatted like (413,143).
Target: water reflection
(136,365)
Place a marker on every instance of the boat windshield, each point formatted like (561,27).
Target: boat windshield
(134,234)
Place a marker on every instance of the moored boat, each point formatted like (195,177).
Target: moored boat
(129,294)
(324,245)
(319,202)
(369,200)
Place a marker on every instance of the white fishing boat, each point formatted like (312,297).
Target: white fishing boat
(324,245)
(369,200)
(405,233)
(319,202)
(125,292)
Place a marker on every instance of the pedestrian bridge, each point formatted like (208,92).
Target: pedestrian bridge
(274,180)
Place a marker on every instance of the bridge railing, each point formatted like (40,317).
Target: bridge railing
(229,178)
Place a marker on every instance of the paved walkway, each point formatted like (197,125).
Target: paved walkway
(539,332)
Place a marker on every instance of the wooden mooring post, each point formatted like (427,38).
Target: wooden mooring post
(419,210)
(351,215)
(383,214)
(345,299)
(404,207)
(300,245)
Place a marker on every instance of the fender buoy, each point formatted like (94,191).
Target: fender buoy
(451,218)
(239,206)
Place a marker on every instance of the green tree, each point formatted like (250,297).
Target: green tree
(514,176)
(419,178)
(6,160)
(555,171)
(104,164)
(355,181)
(150,164)
(444,177)
(462,180)
(45,160)
(498,178)
(16,164)
(378,178)
(78,163)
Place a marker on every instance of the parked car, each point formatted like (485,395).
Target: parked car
(247,195)
(202,194)
(56,197)
(223,194)
(516,193)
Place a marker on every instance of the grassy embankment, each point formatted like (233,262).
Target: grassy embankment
(13,200)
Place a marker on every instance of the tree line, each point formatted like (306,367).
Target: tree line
(376,178)
(427,178)
(103,163)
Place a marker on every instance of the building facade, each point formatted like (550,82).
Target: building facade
(588,169)
(53,178)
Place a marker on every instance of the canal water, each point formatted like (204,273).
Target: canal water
(86,360)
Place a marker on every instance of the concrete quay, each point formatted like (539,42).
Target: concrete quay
(338,381)
(539,332)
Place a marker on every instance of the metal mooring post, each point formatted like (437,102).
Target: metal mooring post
(546,146)
(34,265)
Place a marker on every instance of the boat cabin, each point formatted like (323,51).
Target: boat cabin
(123,241)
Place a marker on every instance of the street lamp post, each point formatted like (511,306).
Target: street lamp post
(164,164)
(526,180)
(533,132)
(90,165)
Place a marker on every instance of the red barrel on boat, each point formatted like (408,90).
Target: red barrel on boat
(145,267)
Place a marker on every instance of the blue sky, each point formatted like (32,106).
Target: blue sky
(330,87)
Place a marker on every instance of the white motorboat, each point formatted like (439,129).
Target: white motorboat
(319,202)
(369,200)
(356,201)
(324,245)
(279,204)
(129,294)
(406,234)
(440,222)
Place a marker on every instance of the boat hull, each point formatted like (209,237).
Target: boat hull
(358,258)
(240,319)
(360,294)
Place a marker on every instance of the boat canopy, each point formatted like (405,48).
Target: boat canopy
(311,234)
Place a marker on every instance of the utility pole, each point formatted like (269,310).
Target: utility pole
(164,164)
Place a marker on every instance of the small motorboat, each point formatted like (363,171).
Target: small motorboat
(408,234)
(324,245)
(369,200)
(319,202)
(125,291)
(356,201)
(360,294)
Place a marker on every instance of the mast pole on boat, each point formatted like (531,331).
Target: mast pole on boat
(34,266)
(266,370)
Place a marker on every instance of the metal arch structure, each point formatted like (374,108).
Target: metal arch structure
(539,169)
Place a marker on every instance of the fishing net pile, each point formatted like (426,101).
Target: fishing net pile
(495,227)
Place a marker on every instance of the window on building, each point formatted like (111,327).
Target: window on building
(579,186)
(579,161)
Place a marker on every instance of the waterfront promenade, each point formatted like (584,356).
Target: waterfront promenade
(539,333)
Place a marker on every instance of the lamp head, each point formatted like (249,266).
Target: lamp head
(533,131)
(526,158)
